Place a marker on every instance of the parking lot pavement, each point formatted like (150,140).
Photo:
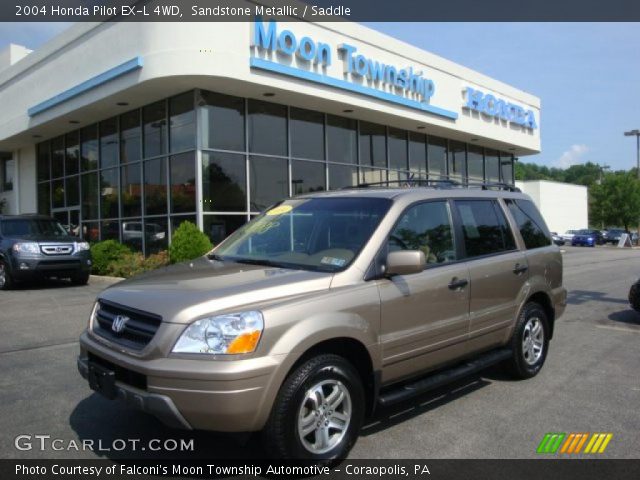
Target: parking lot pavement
(590,383)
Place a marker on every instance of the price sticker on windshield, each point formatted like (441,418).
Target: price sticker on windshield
(282,209)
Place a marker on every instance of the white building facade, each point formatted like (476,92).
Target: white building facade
(564,206)
(127,129)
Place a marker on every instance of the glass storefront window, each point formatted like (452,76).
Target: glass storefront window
(90,196)
(132,232)
(491,166)
(182,178)
(154,118)
(342,139)
(307,177)
(396,177)
(372,175)
(90,231)
(44,200)
(130,137)
(457,161)
(130,190)
(224,182)
(72,191)
(437,158)
(307,134)
(156,234)
(57,194)
(418,154)
(176,220)
(219,227)
(109,193)
(475,164)
(57,157)
(109,143)
(267,128)
(341,176)
(373,145)
(72,154)
(89,148)
(43,162)
(110,230)
(182,124)
(398,149)
(506,164)
(155,186)
(222,121)
(268,180)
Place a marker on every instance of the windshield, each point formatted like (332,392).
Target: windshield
(323,234)
(30,227)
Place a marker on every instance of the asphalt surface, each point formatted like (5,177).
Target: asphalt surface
(590,383)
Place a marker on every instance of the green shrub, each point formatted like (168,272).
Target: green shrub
(133,263)
(103,254)
(187,243)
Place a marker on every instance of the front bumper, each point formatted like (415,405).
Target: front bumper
(218,395)
(25,267)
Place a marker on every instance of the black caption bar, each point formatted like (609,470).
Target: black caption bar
(347,469)
(319,10)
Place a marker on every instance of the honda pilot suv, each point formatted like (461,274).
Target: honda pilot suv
(329,305)
(33,246)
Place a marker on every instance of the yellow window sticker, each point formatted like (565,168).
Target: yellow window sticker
(282,209)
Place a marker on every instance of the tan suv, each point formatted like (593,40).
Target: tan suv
(328,305)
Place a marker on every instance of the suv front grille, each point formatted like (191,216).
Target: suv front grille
(138,327)
(57,249)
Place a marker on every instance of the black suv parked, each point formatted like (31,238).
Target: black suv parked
(36,245)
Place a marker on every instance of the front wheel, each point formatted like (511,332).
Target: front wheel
(634,296)
(318,412)
(530,342)
(6,281)
(80,278)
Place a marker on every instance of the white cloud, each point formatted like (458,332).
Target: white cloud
(572,156)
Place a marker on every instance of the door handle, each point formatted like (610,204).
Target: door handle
(457,284)
(518,269)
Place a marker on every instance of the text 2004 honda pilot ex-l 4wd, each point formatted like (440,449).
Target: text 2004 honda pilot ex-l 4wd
(329,304)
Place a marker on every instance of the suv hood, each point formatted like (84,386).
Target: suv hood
(47,239)
(182,292)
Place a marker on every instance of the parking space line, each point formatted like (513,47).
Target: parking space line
(40,347)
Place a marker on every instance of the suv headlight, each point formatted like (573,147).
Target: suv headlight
(231,333)
(81,246)
(26,247)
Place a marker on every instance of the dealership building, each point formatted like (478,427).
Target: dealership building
(123,130)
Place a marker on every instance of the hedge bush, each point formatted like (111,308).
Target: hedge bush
(134,263)
(187,243)
(103,254)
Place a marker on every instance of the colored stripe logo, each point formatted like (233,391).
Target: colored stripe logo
(573,443)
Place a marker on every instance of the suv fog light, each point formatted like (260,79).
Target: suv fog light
(24,266)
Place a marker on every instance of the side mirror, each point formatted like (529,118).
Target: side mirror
(405,262)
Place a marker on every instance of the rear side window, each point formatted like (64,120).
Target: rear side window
(532,226)
(426,227)
(484,227)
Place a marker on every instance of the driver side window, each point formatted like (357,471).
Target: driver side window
(426,227)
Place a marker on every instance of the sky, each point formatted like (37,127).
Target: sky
(587,76)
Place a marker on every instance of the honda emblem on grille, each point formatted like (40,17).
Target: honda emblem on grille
(119,322)
(59,249)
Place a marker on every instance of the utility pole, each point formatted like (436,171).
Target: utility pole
(636,133)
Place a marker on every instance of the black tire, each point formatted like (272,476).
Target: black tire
(281,437)
(634,297)
(7,283)
(525,363)
(80,278)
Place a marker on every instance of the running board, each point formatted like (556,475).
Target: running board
(443,377)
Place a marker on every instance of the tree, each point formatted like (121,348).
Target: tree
(617,200)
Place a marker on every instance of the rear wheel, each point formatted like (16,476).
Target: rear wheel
(634,297)
(318,412)
(6,282)
(530,342)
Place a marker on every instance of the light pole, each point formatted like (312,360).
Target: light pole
(636,133)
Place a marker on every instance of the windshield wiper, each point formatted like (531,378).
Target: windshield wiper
(258,261)
(213,256)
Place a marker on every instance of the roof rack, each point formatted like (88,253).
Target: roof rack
(440,183)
